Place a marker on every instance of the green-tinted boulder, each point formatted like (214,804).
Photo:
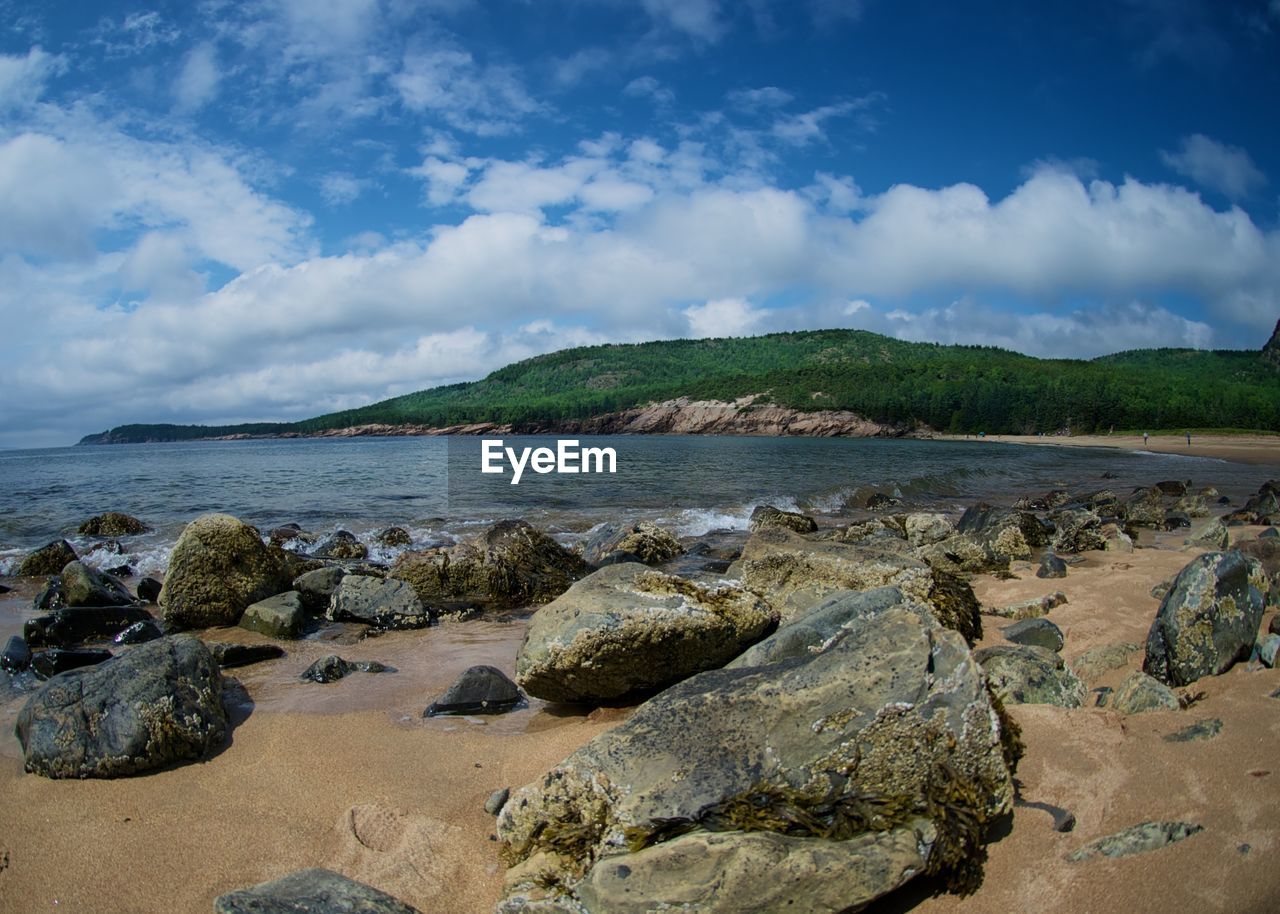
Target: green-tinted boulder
(765,516)
(280,616)
(86,586)
(113,523)
(1140,692)
(1025,675)
(641,542)
(48,559)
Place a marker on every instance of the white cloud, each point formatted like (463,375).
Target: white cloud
(22,77)
(699,19)
(340,188)
(1227,169)
(197,84)
(756,99)
(135,34)
(571,70)
(648,87)
(723,317)
(807,127)
(487,101)
(444,179)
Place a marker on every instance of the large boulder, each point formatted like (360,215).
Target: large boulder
(879,754)
(218,567)
(313,891)
(765,516)
(1006,531)
(1208,620)
(1029,675)
(793,573)
(48,559)
(316,587)
(159,703)
(629,629)
(113,523)
(927,529)
(1077,530)
(86,586)
(510,564)
(381,602)
(809,630)
(341,544)
(642,542)
(1145,508)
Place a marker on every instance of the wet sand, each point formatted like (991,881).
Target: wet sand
(1253,449)
(349,776)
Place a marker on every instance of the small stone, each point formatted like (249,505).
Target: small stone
(313,891)
(149,590)
(16,656)
(1148,836)
(1030,675)
(316,587)
(1201,729)
(1268,648)
(1030,609)
(1098,661)
(139,633)
(1140,693)
(497,800)
(340,545)
(280,616)
(393,536)
(229,656)
(332,668)
(1037,632)
(479,690)
(1051,567)
(1269,533)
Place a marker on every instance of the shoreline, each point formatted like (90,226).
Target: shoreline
(1256,450)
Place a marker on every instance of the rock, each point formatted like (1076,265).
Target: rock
(68,626)
(149,590)
(229,655)
(1035,632)
(113,523)
(1200,730)
(510,564)
(392,537)
(1173,488)
(891,711)
(280,616)
(765,516)
(878,501)
(316,588)
(1268,648)
(1175,520)
(1137,839)
(16,656)
(1192,506)
(380,602)
(49,559)
(961,554)
(158,703)
(629,629)
(85,586)
(313,891)
(479,690)
(1006,532)
(644,542)
(55,660)
(1269,533)
(793,573)
(1115,539)
(139,633)
(50,595)
(331,668)
(1051,567)
(1208,620)
(1026,675)
(1140,693)
(1029,609)
(1098,661)
(953,603)
(1273,627)
(927,529)
(1214,536)
(1145,508)
(340,545)
(1077,531)
(497,800)
(218,567)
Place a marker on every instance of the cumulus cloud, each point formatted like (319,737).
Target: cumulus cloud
(723,317)
(1226,169)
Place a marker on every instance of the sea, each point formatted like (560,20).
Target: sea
(434,488)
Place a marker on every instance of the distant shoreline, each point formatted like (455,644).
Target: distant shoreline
(1252,449)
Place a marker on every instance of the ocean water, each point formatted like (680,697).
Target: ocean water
(434,487)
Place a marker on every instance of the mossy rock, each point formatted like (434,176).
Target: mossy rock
(113,523)
(49,559)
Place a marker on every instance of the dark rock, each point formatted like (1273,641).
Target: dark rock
(497,800)
(16,656)
(878,501)
(73,625)
(1025,675)
(1051,567)
(149,590)
(55,660)
(139,633)
(120,571)
(51,595)
(891,706)
(287,533)
(1176,520)
(393,536)
(629,629)
(316,587)
(280,616)
(479,690)
(156,704)
(219,567)
(768,516)
(49,559)
(113,523)
(1208,620)
(230,655)
(510,564)
(313,891)
(1200,730)
(1173,487)
(340,545)
(380,602)
(1137,839)
(1269,533)
(332,668)
(1035,632)
(610,544)
(85,586)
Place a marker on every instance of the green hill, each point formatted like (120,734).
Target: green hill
(948,388)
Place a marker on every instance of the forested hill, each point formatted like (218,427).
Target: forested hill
(947,388)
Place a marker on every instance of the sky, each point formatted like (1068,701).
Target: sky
(220,211)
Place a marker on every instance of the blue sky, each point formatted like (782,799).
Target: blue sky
(221,211)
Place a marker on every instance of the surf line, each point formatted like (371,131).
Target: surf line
(568,457)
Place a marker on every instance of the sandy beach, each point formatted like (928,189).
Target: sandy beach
(1253,449)
(350,776)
